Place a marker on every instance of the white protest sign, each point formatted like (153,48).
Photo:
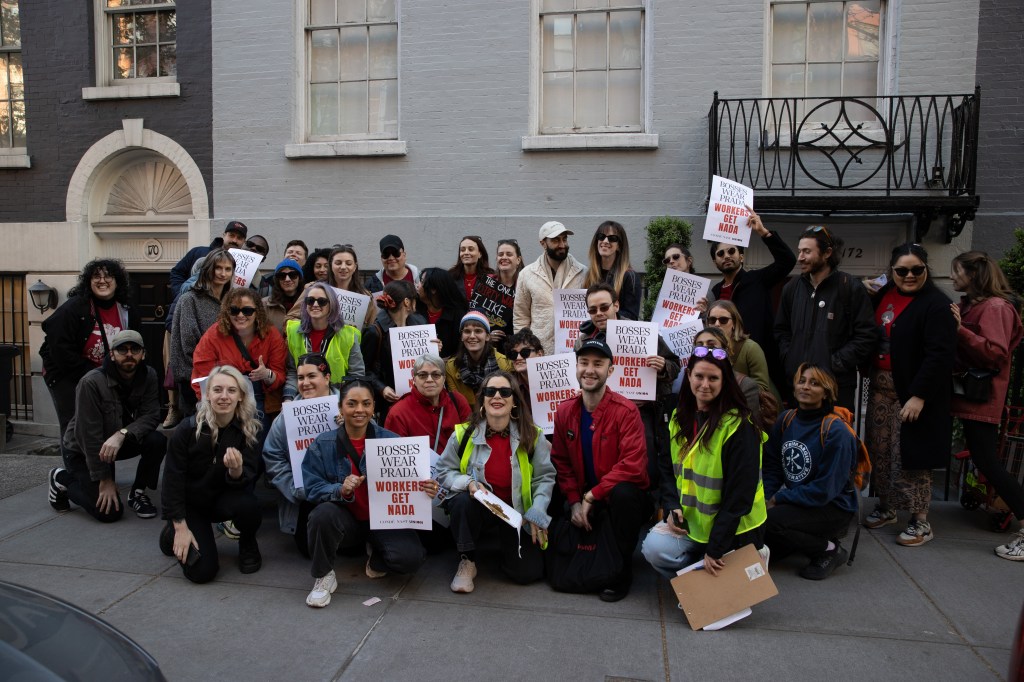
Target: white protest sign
(202,386)
(677,300)
(632,343)
(304,420)
(246,265)
(680,341)
(570,311)
(407,344)
(727,212)
(499,507)
(552,380)
(394,468)
(353,306)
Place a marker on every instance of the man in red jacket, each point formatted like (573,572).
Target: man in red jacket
(600,456)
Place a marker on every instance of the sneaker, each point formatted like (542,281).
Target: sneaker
(766,554)
(229,530)
(463,580)
(880,517)
(372,573)
(822,566)
(58,494)
(140,504)
(1014,549)
(917,533)
(323,588)
(249,558)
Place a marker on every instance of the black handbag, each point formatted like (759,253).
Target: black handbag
(579,560)
(974,385)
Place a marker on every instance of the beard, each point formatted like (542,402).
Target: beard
(557,254)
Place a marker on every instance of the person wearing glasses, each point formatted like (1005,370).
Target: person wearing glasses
(473,262)
(522,345)
(117,410)
(908,424)
(295,250)
(748,356)
(714,337)
(609,262)
(678,257)
(428,409)
(711,488)
(285,290)
(496,292)
(320,329)
(499,450)
(393,265)
(475,358)
(396,308)
(825,316)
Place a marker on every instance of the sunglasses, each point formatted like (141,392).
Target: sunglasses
(287,275)
(127,348)
(816,229)
(504,391)
(723,320)
(716,353)
(916,271)
(604,307)
(248,311)
(424,376)
(610,238)
(389,253)
(521,353)
(258,248)
(731,251)
(317,301)
(671,259)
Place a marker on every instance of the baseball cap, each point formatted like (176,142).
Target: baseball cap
(595,345)
(237,226)
(553,228)
(391,241)
(126,336)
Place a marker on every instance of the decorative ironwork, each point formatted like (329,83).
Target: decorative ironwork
(910,153)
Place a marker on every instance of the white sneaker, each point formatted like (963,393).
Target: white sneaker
(1014,549)
(323,588)
(463,580)
(766,554)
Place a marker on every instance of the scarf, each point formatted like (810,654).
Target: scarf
(472,376)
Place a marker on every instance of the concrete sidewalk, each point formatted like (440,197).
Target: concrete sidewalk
(943,611)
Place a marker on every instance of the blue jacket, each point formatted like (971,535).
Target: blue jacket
(325,466)
(798,470)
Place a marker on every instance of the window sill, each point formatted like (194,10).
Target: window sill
(586,141)
(15,161)
(320,150)
(132,91)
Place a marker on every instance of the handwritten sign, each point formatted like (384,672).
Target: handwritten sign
(304,420)
(353,306)
(677,300)
(570,311)
(552,380)
(408,344)
(493,299)
(246,265)
(727,212)
(680,340)
(632,343)
(394,468)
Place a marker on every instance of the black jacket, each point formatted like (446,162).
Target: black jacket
(67,331)
(665,379)
(182,270)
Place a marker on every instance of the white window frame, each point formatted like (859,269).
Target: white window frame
(15,157)
(107,87)
(537,141)
(346,145)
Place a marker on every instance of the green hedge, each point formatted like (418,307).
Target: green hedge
(660,233)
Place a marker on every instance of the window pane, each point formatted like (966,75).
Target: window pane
(123,62)
(789,25)
(3,78)
(10,26)
(624,98)
(380,10)
(5,126)
(591,41)
(591,98)
(557,43)
(18,123)
(384,107)
(823,80)
(124,29)
(323,109)
(323,56)
(383,51)
(145,62)
(863,21)
(353,53)
(118,3)
(145,28)
(556,5)
(788,80)
(168,61)
(825,32)
(168,27)
(352,113)
(860,79)
(321,12)
(624,41)
(557,97)
(350,11)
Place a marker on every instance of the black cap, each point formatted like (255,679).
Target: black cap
(390,241)
(239,227)
(595,345)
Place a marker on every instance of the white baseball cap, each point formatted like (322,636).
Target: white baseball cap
(553,228)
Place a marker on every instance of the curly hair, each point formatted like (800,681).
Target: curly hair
(114,268)
(234,298)
(524,337)
(334,321)
(245,411)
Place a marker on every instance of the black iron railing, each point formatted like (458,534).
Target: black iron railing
(894,153)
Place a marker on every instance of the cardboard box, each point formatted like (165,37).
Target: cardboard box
(743,582)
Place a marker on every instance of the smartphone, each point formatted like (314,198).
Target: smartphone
(192,557)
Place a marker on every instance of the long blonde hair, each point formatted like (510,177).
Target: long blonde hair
(245,411)
(617,273)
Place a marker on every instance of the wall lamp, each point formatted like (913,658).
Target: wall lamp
(44,297)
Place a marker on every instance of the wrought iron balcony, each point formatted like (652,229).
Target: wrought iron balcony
(901,154)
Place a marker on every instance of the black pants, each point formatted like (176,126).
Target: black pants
(62,392)
(84,491)
(187,400)
(240,506)
(629,508)
(301,528)
(804,530)
(982,439)
(656,434)
(331,527)
(521,560)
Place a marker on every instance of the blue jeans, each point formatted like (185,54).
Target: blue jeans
(668,552)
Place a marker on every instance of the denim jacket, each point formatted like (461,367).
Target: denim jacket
(326,465)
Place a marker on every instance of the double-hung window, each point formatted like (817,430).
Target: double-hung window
(136,49)
(12,85)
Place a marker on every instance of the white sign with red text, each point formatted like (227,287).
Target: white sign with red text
(408,344)
(246,265)
(304,420)
(552,379)
(727,212)
(632,343)
(394,469)
(677,300)
(570,311)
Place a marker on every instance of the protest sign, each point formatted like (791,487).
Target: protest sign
(677,300)
(246,265)
(632,343)
(437,513)
(407,344)
(552,380)
(498,507)
(727,212)
(680,341)
(353,306)
(394,468)
(570,311)
(303,421)
(495,300)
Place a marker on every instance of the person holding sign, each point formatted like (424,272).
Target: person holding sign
(678,257)
(609,262)
(475,358)
(428,409)
(711,488)
(441,304)
(334,475)
(472,263)
(397,309)
(495,293)
(320,329)
(313,379)
(500,450)
(522,345)
(211,466)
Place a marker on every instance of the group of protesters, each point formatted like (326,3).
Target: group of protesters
(710,466)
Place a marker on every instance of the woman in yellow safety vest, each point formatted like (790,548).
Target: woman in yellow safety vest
(712,495)
(502,451)
(320,329)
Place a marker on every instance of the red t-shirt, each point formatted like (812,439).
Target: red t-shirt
(469,283)
(893,303)
(360,507)
(407,278)
(498,470)
(433,317)
(94,350)
(316,337)
(726,293)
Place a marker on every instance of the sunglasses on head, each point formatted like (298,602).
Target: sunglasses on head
(389,253)
(248,310)
(503,391)
(594,309)
(716,353)
(731,251)
(916,271)
(127,348)
(288,274)
(724,319)
(521,353)
(816,229)
(610,238)
(671,259)
(317,301)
